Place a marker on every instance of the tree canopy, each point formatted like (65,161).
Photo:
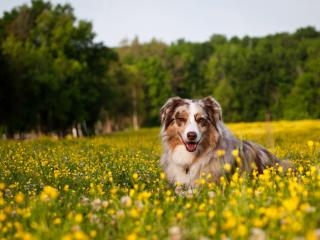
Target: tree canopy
(55,76)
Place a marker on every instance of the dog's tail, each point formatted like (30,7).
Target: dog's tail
(254,154)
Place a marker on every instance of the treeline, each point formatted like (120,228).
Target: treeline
(55,77)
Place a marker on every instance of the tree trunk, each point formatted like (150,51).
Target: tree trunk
(135,120)
(107,125)
(79,131)
(74,131)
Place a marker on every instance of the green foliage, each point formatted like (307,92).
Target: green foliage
(56,73)
(253,78)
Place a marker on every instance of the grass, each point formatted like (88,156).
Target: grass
(112,188)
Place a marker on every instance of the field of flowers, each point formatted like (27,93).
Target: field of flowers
(112,188)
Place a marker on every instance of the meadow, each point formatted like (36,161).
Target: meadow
(112,187)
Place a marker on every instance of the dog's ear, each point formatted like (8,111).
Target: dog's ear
(213,109)
(168,108)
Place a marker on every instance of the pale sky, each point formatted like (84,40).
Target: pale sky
(193,20)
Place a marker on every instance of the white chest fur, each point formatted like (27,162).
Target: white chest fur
(181,166)
(180,156)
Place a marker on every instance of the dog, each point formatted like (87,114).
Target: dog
(196,141)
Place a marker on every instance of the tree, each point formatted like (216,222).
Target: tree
(55,77)
(57,71)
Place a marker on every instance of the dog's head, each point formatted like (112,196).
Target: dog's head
(194,123)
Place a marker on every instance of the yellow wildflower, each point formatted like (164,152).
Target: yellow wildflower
(135,176)
(19,198)
(179,215)
(93,233)
(2,216)
(78,218)
(134,213)
(220,152)
(310,143)
(57,221)
(227,167)
(132,236)
(235,152)
(48,193)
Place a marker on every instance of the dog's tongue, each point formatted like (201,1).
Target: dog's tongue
(191,147)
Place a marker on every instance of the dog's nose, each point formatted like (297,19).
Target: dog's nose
(191,136)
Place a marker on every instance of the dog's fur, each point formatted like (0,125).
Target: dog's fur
(212,146)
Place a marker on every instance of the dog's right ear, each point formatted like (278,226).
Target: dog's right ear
(168,108)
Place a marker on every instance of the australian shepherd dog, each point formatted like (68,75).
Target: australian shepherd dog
(196,141)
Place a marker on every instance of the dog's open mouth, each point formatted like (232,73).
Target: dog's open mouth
(191,146)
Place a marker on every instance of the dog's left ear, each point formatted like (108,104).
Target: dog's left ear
(213,109)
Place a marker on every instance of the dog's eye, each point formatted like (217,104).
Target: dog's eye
(180,120)
(201,121)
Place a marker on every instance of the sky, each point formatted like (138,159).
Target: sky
(193,20)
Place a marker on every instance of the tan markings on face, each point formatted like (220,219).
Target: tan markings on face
(181,118)
(201,119)
(210,138)
(173,137)
(181,115)
(207,131)
(175,129)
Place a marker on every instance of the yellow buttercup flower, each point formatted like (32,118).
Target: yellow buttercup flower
(179,215)
(78,218)
(220,152)
(134,213)
(227,167)
(19,198)
(132,236)
(2,216)
(48,193)
(291,204)
(310,143)
(235,152)
(57,221)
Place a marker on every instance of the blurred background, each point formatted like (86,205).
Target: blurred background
(92,67)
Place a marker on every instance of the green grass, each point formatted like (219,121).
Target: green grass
(113,188)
